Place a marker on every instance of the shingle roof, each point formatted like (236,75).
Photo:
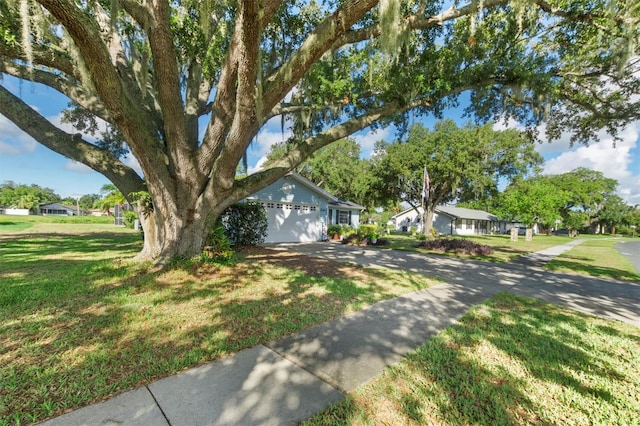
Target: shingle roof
(56,206)
(463,213)
(457,213)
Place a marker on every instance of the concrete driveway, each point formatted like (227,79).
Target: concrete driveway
(612,299)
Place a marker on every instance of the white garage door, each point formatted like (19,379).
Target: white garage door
(291,222)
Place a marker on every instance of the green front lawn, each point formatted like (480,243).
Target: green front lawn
(596,257)
(55,219)
(79,323)
(504,248)
(510,361)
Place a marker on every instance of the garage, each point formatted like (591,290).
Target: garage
(298,210)
(292,222)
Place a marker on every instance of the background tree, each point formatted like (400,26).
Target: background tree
(461,163)
(336,168)
(156,71)
(589,189)
(111,196)
(26,196)
(530,201)
(633,219)
(90,201)
(614,213)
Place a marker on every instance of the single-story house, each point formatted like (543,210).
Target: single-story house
(56,209)
(449,220)
(300,211)
(15,211)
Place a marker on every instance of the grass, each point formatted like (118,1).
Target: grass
(13,226)
(598,258)
(79,323)
(510,361)
(105,220)
(504,249)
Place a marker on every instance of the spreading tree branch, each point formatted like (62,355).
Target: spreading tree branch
(69,145)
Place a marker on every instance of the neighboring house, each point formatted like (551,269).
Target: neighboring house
(97,212)
(449,220)
(15,211)
(55,209)
(300,211)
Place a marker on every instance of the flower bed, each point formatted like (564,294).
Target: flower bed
(457,245)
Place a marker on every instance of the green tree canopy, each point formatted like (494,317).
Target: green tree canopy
(186,85)
(336,168)
(462,164)
(90,201)
(534,200)
(25,196)
(614,212)
(588,191)
(580,198)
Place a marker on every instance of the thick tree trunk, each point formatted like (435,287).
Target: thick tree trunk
(178,225)
(167,236)
(427,221)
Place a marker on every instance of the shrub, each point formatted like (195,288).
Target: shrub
(347,230)
(217,247)
(368,231)
(457,245)
(627,231)
(245,224)
(334,229)
(130,218)
(357,240)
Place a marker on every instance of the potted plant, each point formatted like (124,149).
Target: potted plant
(334,231)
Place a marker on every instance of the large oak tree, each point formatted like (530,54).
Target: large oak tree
(187,85)
(462,164)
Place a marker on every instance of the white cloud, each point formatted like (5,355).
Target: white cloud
(258,165)
(74,166)
(8,149)
(266,139)
(614,162)
(261,146)
(368,139)
(13,141)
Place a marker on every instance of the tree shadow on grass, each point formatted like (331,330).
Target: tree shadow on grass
(518,362)
(77,330)
(596,271)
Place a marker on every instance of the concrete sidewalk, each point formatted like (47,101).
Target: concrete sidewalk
(539,258)
(288,380)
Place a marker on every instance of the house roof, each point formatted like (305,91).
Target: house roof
(333,200)
(455,213)
(56,206)
(462,213)
(403,212)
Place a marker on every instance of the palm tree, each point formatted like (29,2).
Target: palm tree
(112,197)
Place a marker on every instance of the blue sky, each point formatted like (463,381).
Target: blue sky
(25,161)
